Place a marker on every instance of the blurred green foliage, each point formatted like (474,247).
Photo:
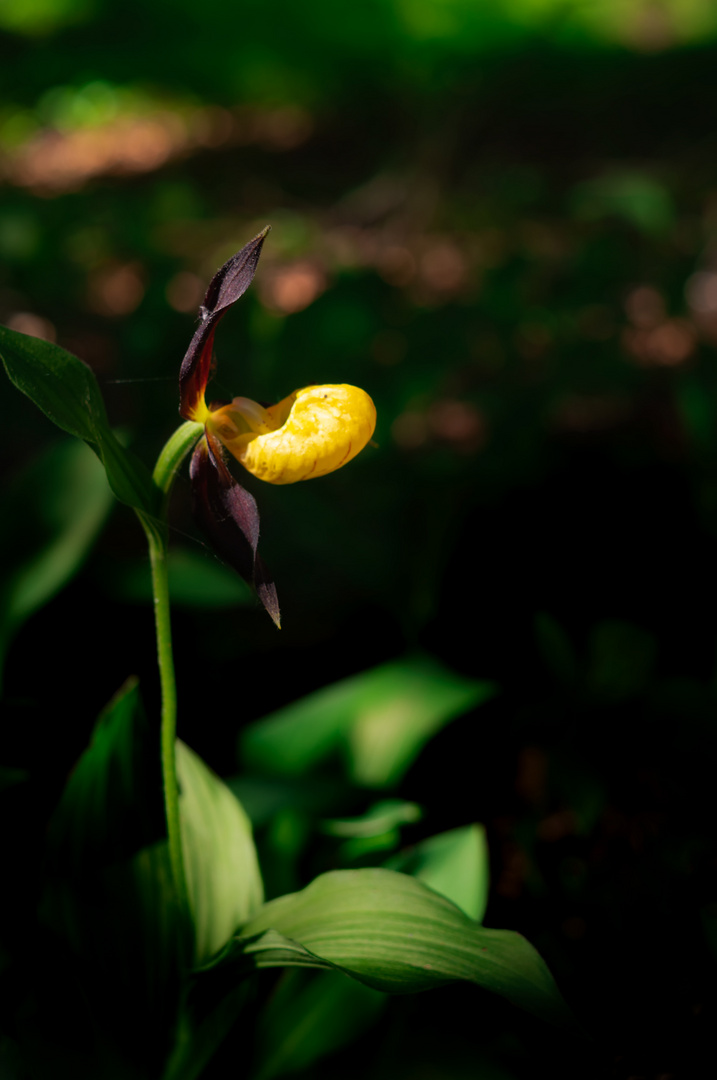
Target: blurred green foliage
(498,218)
(53,513)
(379,721)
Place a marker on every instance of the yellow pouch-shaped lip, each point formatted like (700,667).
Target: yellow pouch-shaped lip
(310,433)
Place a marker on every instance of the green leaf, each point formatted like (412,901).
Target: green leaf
(110,895)
(454,864)
(225,889)
(112,804)
(66,390)
(208,1015)
(376,831)
(311,1014)
(378,721)
(380,818)
(56,381)
(51,517)
(223,876)
(394,934)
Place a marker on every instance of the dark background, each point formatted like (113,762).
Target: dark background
(499,219)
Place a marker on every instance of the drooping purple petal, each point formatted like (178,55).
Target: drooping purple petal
(228,514)
(225,288)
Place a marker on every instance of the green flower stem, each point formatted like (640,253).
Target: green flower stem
(171,457)
(160,588)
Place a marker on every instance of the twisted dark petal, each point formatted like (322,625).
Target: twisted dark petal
(228,514)
(225,288)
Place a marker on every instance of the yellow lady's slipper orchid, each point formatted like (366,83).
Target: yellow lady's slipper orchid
(312,432)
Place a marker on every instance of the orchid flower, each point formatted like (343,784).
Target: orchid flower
(312,432)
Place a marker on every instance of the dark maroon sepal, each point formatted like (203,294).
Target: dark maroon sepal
(228,514)
(225,288)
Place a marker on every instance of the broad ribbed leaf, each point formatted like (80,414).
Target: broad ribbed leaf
(378,720)
(454,864)
(223,877)
(66,390)
(393,933)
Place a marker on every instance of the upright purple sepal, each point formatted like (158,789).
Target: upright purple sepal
(225,288)
(228,514)
(234,278)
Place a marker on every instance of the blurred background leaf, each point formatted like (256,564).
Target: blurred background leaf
(195,580)
(310,1015)
(52,515)
(378,722)
(455,864)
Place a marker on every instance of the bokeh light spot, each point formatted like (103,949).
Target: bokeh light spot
(185,291)
(26,322)
(116,290)
(289,289)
